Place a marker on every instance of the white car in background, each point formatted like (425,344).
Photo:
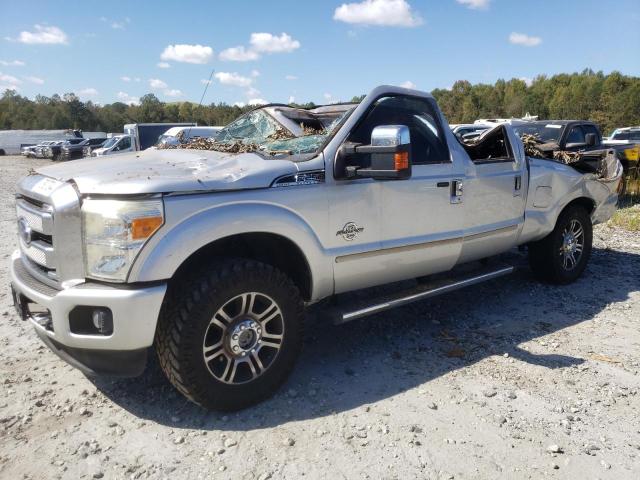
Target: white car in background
(624,136)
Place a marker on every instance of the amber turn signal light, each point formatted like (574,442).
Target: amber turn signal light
(401,160)
(144,227)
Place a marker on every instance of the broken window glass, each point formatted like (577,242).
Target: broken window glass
(259,131)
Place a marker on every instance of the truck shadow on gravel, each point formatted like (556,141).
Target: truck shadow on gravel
(360,363)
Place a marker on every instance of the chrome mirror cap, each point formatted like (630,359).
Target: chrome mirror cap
(390,136)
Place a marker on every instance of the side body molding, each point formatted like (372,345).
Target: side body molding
(187,229)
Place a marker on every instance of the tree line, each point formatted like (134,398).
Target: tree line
(611,100)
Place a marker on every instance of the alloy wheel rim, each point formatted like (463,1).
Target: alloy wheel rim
(572,245)
(243,338)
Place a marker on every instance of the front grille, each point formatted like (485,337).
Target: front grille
(35,231)
(50,230)
(30,280)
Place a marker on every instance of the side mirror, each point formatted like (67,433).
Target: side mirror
(590,139)
(390,153)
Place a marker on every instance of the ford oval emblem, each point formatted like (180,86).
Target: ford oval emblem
(24,231)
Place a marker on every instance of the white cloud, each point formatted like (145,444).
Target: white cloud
(9,87)
(390,13)
(475,4)
(260,43)
(524,39)
(125,79)
(252,92)
(255,73)
(204,81)
(292,99)
(173,92)
(88,92)
(239,104)
(163,65)
(329,98)
(117,25)
(268,43)
(257,101)
(408,84)
(234,79)
(157,84)
(128,99)
(36,80)
(9,79)
(187,53)
(137,79)
(13,63)
(290,77)
(43,35)
(528,81)
(239,54)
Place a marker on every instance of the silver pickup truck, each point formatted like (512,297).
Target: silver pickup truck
(210,252)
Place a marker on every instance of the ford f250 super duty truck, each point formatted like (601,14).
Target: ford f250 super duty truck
(210,253)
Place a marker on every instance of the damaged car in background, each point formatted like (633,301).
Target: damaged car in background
(211,250)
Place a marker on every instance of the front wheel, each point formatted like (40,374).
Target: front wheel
(562,256)
(229,336)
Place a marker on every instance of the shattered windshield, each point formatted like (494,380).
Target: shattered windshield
(547,133)
(273,131)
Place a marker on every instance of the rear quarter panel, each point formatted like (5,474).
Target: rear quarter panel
(552,186)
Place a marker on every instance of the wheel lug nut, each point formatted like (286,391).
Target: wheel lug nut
(235,348)
(235,337)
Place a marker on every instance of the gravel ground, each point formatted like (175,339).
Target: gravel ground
(509,379)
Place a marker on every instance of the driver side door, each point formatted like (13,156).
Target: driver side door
(412,227)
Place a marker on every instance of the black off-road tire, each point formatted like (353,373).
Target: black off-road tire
(187,311)
(545,258)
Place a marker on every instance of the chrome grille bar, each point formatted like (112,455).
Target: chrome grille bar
(39,219)
(40,252)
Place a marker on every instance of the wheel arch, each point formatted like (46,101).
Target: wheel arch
(585,202)
(271,248)
(259,231)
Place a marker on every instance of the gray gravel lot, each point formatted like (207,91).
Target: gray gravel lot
(510,379)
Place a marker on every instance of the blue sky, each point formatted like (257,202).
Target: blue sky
(318,51)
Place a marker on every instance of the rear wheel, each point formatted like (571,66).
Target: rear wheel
(562,256)
(228,337)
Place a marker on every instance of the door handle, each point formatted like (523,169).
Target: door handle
(517,185)
(442,184)
(456,191)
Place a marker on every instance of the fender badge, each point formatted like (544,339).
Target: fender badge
(349,231)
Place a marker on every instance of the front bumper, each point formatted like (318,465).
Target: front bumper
(135,314)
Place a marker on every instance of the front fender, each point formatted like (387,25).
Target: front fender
(187,229)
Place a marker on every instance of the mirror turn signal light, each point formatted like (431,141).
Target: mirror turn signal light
(144,227)
(401,160)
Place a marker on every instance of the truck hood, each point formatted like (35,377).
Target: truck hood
(164,171)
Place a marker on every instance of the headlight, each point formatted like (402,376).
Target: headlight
(114,232)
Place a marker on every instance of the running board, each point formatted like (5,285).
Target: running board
(422,292)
